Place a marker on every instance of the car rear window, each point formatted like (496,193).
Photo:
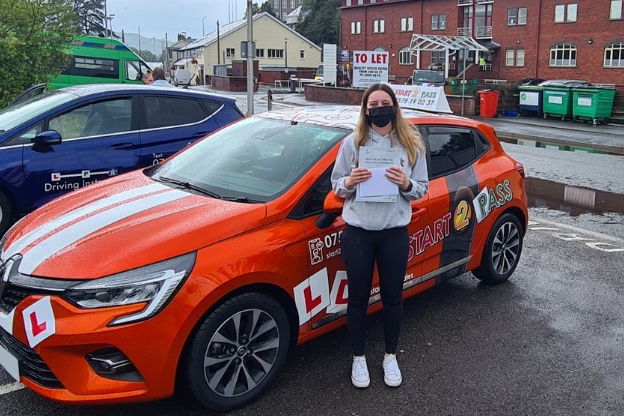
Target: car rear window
(172,111)
(451,149)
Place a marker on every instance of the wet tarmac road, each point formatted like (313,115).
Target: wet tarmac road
(546,342)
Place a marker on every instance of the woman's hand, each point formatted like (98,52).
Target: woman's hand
(358,175)
(396,175)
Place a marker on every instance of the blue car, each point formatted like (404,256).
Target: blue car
(65,139)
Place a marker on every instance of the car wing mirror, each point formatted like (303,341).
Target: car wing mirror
(332,208)
(47,138)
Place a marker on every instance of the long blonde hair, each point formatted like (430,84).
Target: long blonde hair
(408,136)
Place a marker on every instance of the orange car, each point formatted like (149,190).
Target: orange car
(207,268)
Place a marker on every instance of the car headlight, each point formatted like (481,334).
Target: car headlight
(154,284)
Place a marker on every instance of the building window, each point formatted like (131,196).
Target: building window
(616,9)
(520,57)
(438,22)
(379,26)
(259,53)
(302,54)
(276,4)
(517,16)
(292,4)
(284,4)
(276,53)
(563,54)
(565,13)
(614,55)
(356,28)
(437,60)
(405,56)
(229,53)
(514,57)
(407,24)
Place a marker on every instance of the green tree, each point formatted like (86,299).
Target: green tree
(90,16)
(265,7)
(320,21)
(34,35)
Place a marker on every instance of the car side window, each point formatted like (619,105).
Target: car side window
(452,149)
(135,70)
(25,136)
(95,119)
(312,202)
(171,111)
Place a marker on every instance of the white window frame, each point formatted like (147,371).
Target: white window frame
(616,48)
(563,49)
(275,53)
(230,53)
(302,54)
(259,53)
(379,26)
(438,21)
(615,12)
(516,16)
(514,57)
(405,56)
(356,28)
(407,24)
(566,13)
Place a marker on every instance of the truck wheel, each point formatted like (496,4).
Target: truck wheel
(237,352)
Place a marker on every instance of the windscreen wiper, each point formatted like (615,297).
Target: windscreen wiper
(188,185)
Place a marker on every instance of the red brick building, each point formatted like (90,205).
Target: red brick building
(550,39)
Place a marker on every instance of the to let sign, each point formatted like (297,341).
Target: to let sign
(369,67)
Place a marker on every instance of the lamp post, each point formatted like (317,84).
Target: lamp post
(286,55)
(203,30)
(110,24)
(250,83)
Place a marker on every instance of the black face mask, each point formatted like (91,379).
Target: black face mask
(381,116)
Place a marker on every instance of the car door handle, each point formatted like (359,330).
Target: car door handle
(121,146)
(418,213)
(200,134)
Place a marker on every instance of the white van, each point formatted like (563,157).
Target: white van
(182,77)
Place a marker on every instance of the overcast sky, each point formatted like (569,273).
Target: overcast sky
(157,17)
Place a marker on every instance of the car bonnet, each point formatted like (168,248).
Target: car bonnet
(122,224)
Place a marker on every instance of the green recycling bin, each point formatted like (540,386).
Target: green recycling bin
(592,104)
(557,102)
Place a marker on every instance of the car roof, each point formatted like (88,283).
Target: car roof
(346,116)
(88,89)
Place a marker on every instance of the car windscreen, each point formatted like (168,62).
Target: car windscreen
(14,115)
(255,159)
(428,76)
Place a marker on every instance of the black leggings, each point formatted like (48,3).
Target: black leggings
(360,250)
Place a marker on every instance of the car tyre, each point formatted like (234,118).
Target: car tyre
(502,250)
(6,214)
(237,352)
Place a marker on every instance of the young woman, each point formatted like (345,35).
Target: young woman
(376,232)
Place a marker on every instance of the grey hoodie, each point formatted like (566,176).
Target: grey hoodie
(376,215)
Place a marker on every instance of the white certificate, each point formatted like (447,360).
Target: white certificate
(378,188)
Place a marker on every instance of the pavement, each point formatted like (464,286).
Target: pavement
(524,130)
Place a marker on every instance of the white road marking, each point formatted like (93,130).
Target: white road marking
(559,226)
(8,388)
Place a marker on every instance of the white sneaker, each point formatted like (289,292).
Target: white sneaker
(392,374)
(359,372)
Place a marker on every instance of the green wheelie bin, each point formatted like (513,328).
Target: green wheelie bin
(592,104)
(557,102)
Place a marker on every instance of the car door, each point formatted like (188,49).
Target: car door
(99,140)
(455,167)
(322,298)
(170,123)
